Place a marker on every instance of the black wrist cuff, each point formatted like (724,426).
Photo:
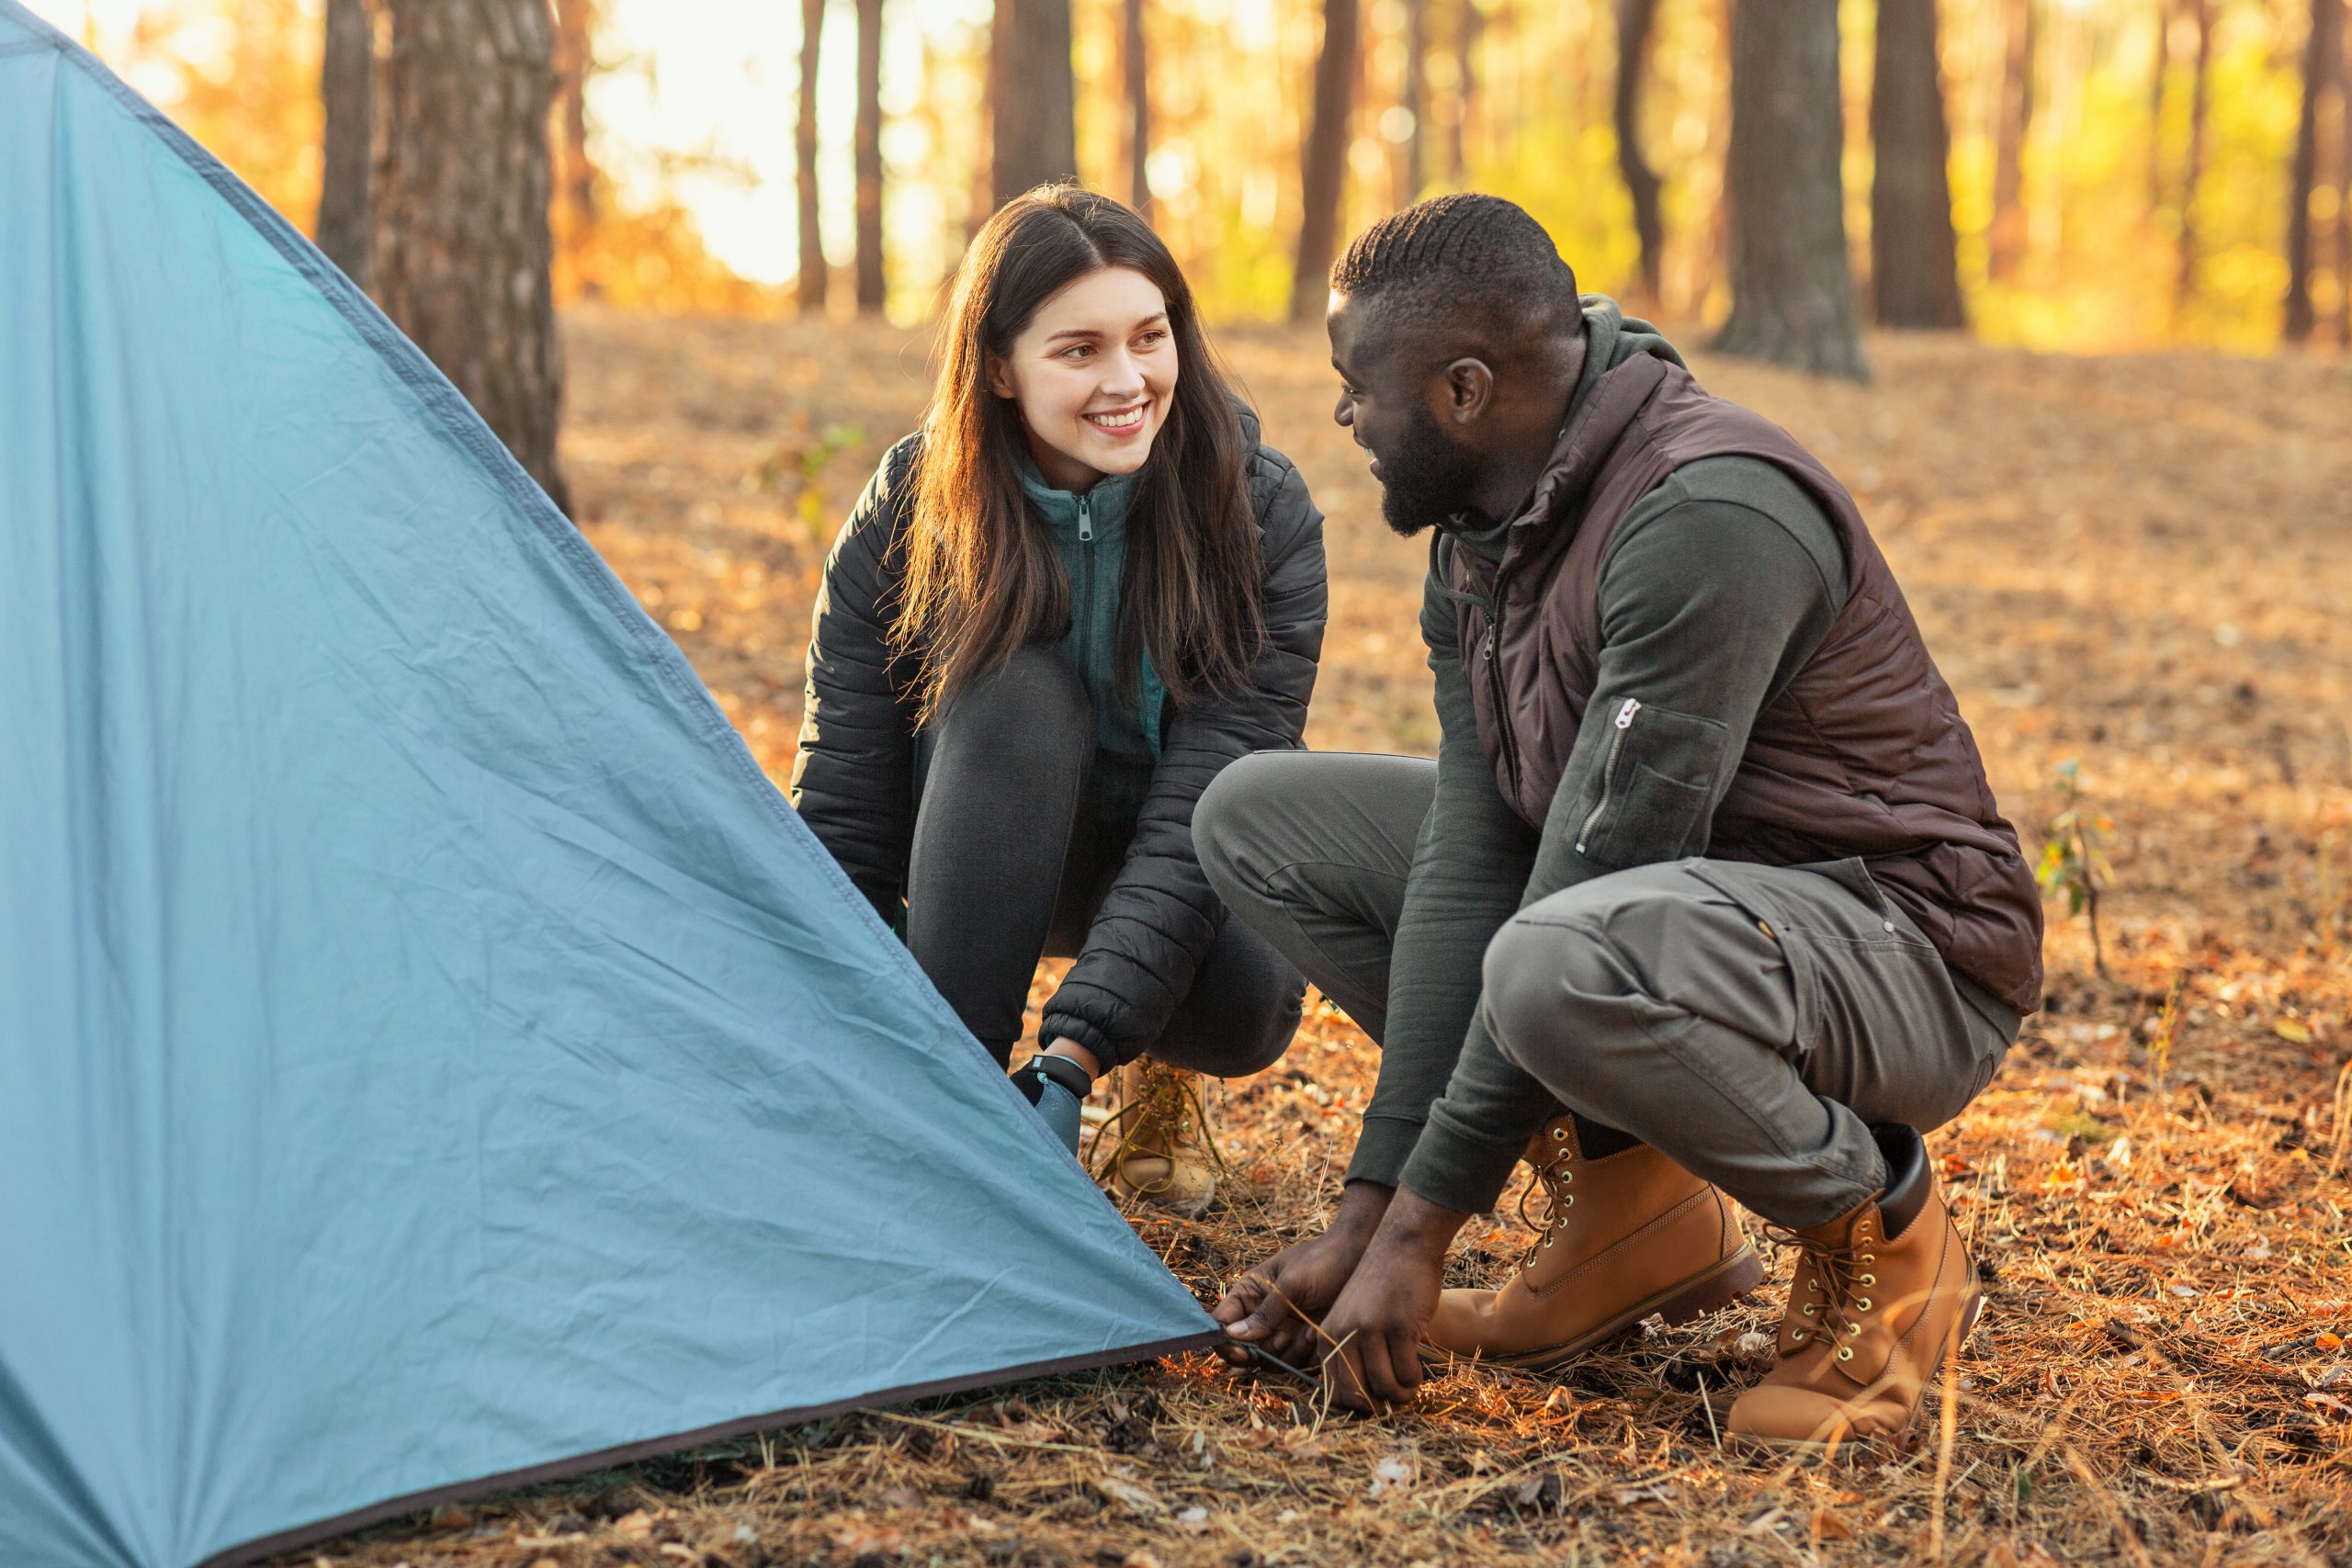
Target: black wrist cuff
(1063,1071)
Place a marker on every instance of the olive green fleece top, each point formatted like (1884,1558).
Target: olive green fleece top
(1717,589)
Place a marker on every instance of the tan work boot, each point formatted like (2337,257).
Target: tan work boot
(1627,1234)
(1154,1144)
(1881,1300)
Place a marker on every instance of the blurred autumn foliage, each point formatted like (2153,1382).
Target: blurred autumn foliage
(2153,151)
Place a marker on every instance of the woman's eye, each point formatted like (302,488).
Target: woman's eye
(1077,351)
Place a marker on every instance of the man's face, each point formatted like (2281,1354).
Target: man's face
(1389,401)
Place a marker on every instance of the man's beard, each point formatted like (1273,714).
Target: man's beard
(1427,480)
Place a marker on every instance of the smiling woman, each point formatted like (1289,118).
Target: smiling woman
(1060,609)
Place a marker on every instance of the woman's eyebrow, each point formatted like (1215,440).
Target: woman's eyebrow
(1156,316)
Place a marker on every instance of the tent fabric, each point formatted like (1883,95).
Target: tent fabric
(431,1053)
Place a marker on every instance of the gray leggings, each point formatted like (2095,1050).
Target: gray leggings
(1020,831)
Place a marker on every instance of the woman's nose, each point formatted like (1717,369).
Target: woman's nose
(1122,377)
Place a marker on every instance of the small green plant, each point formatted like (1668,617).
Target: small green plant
(2073,862)
(794,464)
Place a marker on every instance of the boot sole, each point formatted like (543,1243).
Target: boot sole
(1717,1287)
(1904,1439)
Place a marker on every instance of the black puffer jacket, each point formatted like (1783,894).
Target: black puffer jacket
(855,782)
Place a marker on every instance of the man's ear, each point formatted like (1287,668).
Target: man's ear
(1469,389)
(1000,379)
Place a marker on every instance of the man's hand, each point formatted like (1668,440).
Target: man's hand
(1372,1335)
(1275,1304)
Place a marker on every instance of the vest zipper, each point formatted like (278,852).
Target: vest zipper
(1501,698)
(1609,769)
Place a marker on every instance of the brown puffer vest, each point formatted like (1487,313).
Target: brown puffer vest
(1864,754)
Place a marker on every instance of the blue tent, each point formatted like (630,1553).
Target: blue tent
(431,1056)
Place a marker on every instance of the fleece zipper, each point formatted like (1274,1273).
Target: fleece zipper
(1624,721)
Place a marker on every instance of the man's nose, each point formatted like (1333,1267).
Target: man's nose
(1344,411)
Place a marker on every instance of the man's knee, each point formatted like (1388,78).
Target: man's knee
(1543,983)
(1228,822)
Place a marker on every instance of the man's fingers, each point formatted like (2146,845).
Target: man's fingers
(1241,1298)
(1405,1362)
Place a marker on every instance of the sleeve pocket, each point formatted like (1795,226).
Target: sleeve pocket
(1657,790)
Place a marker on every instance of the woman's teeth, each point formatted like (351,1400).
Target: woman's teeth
(1126,420)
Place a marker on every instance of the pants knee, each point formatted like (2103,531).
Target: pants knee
(1225,826)
(1032,708)
(1548,988)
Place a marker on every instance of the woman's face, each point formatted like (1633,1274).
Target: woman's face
(1092,375)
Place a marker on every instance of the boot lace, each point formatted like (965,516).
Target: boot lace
(1165,1107)
(1553,1180)
(1831,1295)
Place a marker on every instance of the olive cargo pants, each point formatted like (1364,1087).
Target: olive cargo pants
(1749,1021)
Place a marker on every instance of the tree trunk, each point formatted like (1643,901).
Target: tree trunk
(2005,242)
(2322,68)
(1471,24)
(1792,289)
(345,71)
(872,289)
(1415,101)
(2184,281)
(813,272)
(1034,95)
(1136,66)
(1914,270)
(575,62)
(1635,20)
(1325,169)
(460,248)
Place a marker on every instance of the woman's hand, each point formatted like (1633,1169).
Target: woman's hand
(1275,1306)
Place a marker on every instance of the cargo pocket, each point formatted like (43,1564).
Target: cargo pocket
(1655,789)
(1747,886)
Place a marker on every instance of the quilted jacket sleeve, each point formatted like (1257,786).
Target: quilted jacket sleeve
(1160,918)
(853,781)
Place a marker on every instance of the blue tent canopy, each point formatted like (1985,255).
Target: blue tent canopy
(431,1054)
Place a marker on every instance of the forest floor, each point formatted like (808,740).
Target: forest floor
(2133,570)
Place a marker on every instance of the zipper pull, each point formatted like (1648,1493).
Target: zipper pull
(1085,521)
(1625,714)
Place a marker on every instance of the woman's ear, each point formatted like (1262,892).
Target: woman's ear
(999,378)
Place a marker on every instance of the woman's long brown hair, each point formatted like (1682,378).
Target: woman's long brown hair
(983,577)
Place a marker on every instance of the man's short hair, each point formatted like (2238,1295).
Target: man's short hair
(1470,261)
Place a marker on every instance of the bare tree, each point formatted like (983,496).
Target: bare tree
(1915,269)
(1792,289)
(346,68)
(1136,65)
(1034,95)
(1324,161)
(575,62)
(813,274)
(460,248)
(1469,26)
(1415,101)
(871,287)
(1635,20)
(2322,78)
(2012,116)
(2185,279)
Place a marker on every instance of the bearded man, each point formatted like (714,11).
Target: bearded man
(1704,898)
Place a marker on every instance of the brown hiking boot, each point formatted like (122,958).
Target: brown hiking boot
(1154,1144)
(1627,1234)
(1881,1301)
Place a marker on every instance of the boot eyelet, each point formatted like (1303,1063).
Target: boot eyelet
(1870,1256)
(1796,1337)
(1853,1328)
(1864,1303)
(1845,1352)
(1869,1278)
(1559,1135)
(1568,1200)
(1810,1307)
